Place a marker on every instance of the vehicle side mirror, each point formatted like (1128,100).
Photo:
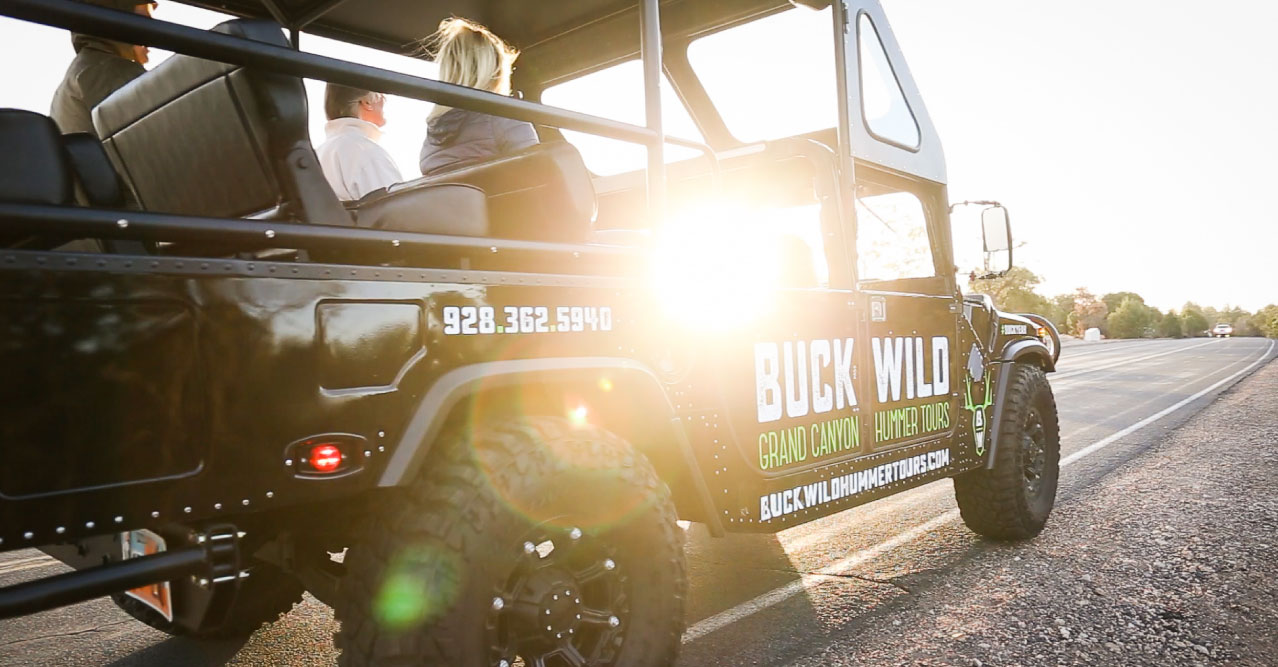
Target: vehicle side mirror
(996,229)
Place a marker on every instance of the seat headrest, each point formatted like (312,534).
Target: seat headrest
(541,193)
(98,180)
(198,137)
(34,169)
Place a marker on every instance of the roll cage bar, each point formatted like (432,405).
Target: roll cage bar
(134,29)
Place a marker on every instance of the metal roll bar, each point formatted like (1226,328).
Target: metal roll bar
(134,29)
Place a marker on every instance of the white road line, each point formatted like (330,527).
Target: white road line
(1122,362)
(724,618)
(1079,351)
(1162,413)
(750,607)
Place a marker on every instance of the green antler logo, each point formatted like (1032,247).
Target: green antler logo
(977,371)
(978,411)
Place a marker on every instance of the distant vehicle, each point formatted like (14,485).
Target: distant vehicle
(1222,330)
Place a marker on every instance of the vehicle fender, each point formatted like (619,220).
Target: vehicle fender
(1029,350)
(632,380)
(1023,351)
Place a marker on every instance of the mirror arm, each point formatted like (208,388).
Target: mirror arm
(974,202)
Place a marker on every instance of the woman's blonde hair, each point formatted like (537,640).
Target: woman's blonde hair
(468,54)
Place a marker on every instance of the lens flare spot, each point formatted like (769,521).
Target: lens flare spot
(420,585)
(578,415)
(605,384)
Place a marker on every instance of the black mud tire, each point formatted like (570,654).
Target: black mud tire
(1013,500)
(450,542)
(265,595)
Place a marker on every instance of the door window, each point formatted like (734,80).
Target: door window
(892,241)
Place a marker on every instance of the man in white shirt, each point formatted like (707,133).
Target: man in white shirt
(352,160)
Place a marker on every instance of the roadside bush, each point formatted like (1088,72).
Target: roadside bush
(1193,322)
(1266,321)
(1132,319)
(1169,327)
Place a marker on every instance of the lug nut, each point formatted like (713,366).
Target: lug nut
(575,533)
(609,565)
(613,621)
(498,603)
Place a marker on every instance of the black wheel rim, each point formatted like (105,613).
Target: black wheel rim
(563,604)
(1034,451)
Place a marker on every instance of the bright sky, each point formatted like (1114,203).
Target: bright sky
(1133,142)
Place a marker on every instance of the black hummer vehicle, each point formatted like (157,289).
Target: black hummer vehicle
(495,390)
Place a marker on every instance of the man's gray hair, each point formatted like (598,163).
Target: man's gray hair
(342,101)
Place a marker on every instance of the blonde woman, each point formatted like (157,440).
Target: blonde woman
(468,54)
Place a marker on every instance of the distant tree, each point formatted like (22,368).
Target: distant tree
(1266,321)
(1114,300)
(1192,320)
(1058,310)
(1169,327)
(1132,319)
(1013,292)
(1247,327)
(1088,312)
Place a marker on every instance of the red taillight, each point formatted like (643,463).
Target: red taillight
(325,458)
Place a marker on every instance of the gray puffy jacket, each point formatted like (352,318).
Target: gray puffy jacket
(459,137)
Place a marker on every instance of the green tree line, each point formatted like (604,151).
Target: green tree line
(1120,314)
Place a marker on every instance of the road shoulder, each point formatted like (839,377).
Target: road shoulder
(1171,559)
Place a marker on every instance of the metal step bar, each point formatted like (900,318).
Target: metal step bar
(72,587)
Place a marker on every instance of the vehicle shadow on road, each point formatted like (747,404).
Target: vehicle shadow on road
(184,651)
(725,572)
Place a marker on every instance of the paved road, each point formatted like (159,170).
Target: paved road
(768,600)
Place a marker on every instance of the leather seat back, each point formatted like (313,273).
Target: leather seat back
(542,193)
(35,169)
(199,137)
(99,184)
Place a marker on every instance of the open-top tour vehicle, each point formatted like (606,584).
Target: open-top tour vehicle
(496,390)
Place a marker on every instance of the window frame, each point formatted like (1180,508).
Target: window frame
(896,80)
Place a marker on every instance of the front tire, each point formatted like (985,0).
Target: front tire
(1012,500)
(532,539)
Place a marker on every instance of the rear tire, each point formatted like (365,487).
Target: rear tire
(264,596)
(1012,500)
(533,538)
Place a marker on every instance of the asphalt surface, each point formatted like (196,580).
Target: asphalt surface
(1163,550)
